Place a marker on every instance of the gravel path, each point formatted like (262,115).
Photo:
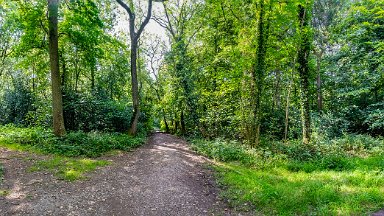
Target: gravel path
(161,178)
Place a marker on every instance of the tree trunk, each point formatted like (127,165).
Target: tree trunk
(135,89)
(303,58)
(92,78)
(258,76)
(166,124)
(57,101)
(182,121)
(287,113)
(318,85)
(134,44)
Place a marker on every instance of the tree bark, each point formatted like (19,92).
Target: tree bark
(135,89)
(303,58)
(57,101)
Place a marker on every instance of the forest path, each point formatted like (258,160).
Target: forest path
(163,177)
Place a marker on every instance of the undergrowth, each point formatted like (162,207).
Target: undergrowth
(329,177)
(74,144)
(70,155)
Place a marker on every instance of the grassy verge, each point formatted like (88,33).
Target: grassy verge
(339,177)
(71,157)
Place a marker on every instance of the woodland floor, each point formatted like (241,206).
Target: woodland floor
(161,178)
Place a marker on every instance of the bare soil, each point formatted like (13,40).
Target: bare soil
(164,177)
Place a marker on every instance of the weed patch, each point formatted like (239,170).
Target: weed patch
(69,169)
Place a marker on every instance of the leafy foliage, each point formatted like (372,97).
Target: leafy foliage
(16,104)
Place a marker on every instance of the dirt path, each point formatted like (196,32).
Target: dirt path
(161,178)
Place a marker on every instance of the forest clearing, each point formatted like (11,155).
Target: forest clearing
(192,107)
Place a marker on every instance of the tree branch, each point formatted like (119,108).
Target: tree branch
(146,20)
(126,7)
(169,21)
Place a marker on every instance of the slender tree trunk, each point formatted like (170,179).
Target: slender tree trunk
(182,121)
(287,112)
(92,77)
(135,89)
(57,101)
(166,124)
(318,85)
(303,58)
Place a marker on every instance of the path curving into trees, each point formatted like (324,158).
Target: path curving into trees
(164,177)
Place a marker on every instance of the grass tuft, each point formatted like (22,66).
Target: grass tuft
(69,169)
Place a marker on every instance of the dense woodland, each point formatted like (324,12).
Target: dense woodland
(246,70)
(251,72)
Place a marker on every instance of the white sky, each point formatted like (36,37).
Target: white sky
(151,30)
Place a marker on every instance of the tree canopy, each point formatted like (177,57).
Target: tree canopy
(247,70)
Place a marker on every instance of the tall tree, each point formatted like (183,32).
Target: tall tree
(134,36)
(258,72)
(57,102)
(177,19)
(304,70)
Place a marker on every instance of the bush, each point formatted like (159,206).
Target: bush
(93,113)
(329,125)
(375,119)
(220,150)
(15,104)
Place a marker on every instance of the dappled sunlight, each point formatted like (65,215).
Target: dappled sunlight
(16,192)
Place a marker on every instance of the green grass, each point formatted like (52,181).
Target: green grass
(71,155)
(3,193)
(69,169)
(329,178)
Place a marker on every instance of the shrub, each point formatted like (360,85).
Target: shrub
(15,104)
(91,113)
